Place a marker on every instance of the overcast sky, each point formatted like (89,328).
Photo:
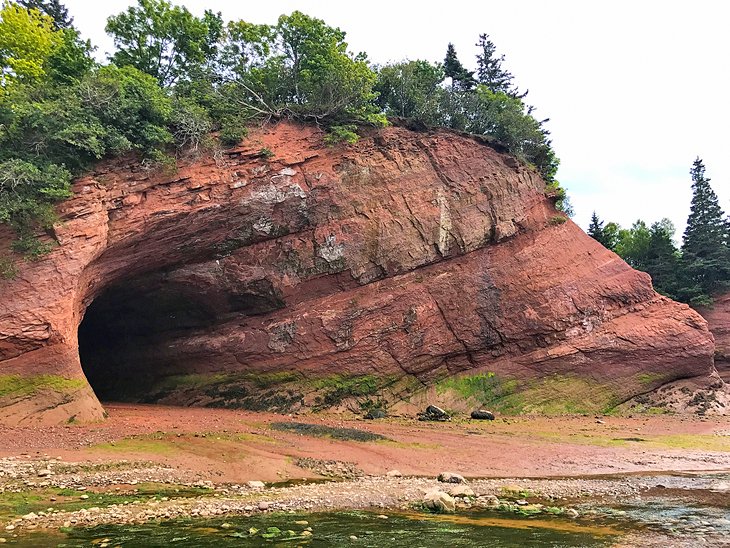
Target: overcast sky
(634,90)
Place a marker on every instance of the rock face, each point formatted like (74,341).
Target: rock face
(718,319)
(410,268)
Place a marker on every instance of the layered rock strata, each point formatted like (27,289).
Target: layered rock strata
(284,274)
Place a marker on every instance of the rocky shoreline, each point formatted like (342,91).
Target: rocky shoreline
(83,495)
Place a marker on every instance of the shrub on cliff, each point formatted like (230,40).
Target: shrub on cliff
(60,115)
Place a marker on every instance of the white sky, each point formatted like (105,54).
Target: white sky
(634,90)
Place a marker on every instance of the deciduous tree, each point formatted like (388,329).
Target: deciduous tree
(165,41)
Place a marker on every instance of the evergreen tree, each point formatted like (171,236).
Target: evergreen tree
(705,251)
(607,235)
(52,8)
(489,69)
(595,229)
(661,260)
(610,235)
(461,78)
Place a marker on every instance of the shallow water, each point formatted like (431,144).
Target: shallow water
(335,529)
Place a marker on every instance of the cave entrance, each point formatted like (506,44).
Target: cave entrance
(126,330)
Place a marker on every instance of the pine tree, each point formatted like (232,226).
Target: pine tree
(595,229)
(461,78)
(607,235)
(705,251)
(662,259)
(489,69)
(52,8)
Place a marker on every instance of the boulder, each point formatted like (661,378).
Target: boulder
(438,501)
(488,501)
(433,413)
(451,477)
(482,414)
(376,413)
(461,490)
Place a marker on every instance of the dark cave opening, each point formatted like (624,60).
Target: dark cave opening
(125,329)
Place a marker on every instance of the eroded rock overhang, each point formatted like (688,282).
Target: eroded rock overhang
(319,276)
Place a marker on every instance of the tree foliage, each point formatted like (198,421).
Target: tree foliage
(706,246)
(488,105)
(174,77)
(693,274)
(489,69)
(27,39)
(461,78)
(52,8)
(411,89)
(165,41)
(299,67)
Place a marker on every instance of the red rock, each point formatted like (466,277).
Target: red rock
(322,274)
(718,319)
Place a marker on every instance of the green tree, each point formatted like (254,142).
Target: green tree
(322,76)
(489,69)
(461,78)
(610,235)
(39,41)
(130,105)
(27,39)
(411,89)
(662,259)
(28,193)
(508,120)
(298,67)
(246,47)
(595,229)
(71,60)
(53,8)
(651,250)
(606,235)
(165,41)
(705,247)
(633,245)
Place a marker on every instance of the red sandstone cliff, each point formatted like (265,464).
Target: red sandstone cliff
(318,275)
(718,320)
